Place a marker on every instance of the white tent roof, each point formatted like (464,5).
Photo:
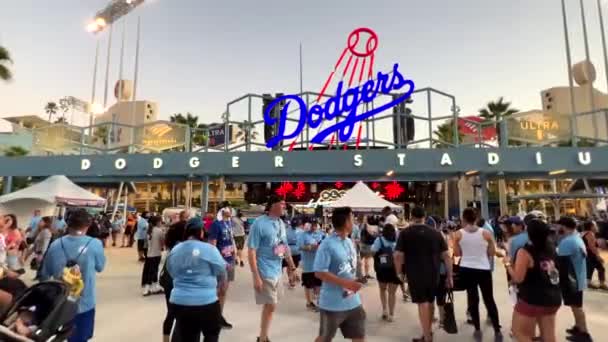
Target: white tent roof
(56,190)
(361,197)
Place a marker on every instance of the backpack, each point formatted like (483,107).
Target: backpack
(383,259)
(72,276)
(366,237)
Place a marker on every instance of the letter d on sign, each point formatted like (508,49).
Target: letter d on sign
(157,163)
(493,158)
(85,164)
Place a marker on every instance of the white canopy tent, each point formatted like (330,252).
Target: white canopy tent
(361,198)
(46,196)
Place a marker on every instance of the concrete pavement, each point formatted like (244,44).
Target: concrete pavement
(124,315)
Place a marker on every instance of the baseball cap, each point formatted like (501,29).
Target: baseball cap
(194,223)
(515,220)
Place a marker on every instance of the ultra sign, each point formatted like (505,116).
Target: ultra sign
(345,104)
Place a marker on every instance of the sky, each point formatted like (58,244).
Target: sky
(198,55)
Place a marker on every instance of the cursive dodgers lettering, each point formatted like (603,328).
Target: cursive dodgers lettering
(340,105)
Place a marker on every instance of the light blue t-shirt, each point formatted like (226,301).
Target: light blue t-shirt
(382,241)
(339,257)
(356,233)
(59,225)
(34,225)
(516,243)
(142,229)
(292,239)
(265,234)
(91,261)
(308,257)
(574,247)
(195,266)
(118,224)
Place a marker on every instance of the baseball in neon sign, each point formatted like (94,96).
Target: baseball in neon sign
(344,103)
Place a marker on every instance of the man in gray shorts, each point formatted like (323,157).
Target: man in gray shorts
(268,246)
(221,236)
(335,264)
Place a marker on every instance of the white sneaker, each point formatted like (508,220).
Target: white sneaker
(156,288)
(146,290)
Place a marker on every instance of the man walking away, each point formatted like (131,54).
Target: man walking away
(220,235)
(335,264)
(572,265)
(76,250)
(419,252)
(267,247)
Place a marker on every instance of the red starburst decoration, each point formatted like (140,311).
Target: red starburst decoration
(339,185)
(300,190)
(284,189)
(375,185)
(393,190)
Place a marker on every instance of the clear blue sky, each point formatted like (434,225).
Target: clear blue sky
(198,55)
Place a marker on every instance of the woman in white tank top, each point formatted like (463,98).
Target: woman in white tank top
(476,247)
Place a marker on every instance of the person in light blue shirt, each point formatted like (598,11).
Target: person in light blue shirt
(519,237)
(293,231)
(335,265)
(59,225)
(308,243)
(117,226)
(388,281)
(88,253)
(267,248)
(32,228)
(572,255)
(199,273)
(141,235)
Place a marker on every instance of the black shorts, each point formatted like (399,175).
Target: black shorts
(387,276)
(574,299)
(310,281)
(296,261)
(423,291)
(141,245)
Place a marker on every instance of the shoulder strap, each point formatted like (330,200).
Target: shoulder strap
(79,254)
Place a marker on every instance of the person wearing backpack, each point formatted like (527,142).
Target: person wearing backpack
(75,259)
(367,240)
(383,248)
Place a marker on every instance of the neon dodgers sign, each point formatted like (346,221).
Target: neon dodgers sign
(341,104)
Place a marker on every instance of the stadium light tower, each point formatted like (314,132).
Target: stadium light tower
(103,19)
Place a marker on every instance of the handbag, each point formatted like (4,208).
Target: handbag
(449,318)
(459,282)
(165,280)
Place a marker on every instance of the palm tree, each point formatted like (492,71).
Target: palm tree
(17,151)
(61,120)
(497,111)
(101,134)
(199,137)
(444,135)
(5,59)
(51,109)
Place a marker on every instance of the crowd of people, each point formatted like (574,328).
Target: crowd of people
(548,264)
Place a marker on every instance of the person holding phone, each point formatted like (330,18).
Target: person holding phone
(335,265)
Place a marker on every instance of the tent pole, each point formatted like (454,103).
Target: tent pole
(117,201)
